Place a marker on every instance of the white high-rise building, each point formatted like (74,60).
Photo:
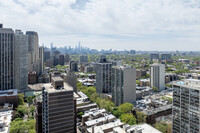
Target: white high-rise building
(123,85)
(158,76)
(6,58)
(21,60)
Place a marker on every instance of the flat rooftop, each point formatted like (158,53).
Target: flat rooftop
(12,92)
(94,112)
(5,117)
(110,125)
(35,87)
(99,120)
(57,79)
(144,128)
(159,109)
(50,89)
(189,83)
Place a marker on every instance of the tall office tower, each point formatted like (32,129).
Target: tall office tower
(61,60)
(103,76)
(6,58)
(21,60)
(47,55)
(58,107)
(157,76)
(186,114)
(33,51)
(83,59)
(67,57)
(154,57)
(73,66)
(55,59)
(166,57)
(123,85)
(71,79)
(41,60)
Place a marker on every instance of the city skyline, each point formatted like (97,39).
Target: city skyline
(139,25)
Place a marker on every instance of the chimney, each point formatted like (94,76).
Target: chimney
(93,129)
(1,25)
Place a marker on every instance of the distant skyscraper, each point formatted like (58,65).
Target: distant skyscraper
(33,51)
(186,114)
(47,55)
(166,57)
(61,60)
(123,85)
(154,57)
(41,60)
(58,107)
(74,66)
(67,57)
(103,76)
(158,76)
(21,60)
(6,58)
(83,59)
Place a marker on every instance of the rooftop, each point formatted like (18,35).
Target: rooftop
(189,83)
(144,128)
(99,120)
(50,89)
(57,79)
(5,117)
(100,129)
(8,92)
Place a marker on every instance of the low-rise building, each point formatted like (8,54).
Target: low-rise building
(32,77)
(144,82)
(140,73)
(9,96)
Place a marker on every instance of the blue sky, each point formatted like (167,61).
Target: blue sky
(105,24)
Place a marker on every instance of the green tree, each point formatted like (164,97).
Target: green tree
(161,127)
(137,82)
(21,99)
(32,109)
(93,97)
(168,85)
(80,114)
(155,89)
(20,126)
(141,117)
(128,118)
(125,107)
(21,110)
(117,113)
(29,99)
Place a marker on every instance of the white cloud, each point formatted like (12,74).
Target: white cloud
(147,19)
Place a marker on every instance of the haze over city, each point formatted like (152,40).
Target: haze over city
(105,24)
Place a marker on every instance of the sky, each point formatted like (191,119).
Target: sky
(108,24)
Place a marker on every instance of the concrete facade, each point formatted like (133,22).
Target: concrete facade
(154,57)
(6,58)
(157,79)
(21,60)
(186,114)
(103,77)
(123,85)
(83,59)
(58,113)
(71,79)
